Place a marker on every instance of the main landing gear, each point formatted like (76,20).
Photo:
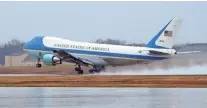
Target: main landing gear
(95,69)
(78,69)
(38,65)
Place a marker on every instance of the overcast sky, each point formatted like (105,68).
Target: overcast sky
(86,21)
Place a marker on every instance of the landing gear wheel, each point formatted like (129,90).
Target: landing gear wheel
(38,65)
(103,68)
(80,72)
(91,71)
(96,69)
(54,64)
(77,69)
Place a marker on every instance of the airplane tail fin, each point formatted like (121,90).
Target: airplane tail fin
(165,38)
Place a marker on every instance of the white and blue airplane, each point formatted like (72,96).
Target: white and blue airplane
(53,50)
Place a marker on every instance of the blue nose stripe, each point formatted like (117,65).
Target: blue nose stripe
(26,45)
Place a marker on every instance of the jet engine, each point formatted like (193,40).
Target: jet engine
(50,59)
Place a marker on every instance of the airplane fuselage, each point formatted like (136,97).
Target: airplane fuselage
(112,54)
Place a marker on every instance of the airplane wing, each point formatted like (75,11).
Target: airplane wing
(81,59)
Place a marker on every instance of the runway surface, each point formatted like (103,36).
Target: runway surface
(48,97)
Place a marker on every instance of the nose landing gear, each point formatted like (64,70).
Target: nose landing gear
(38,65)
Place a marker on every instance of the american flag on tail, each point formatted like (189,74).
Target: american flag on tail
(168,33)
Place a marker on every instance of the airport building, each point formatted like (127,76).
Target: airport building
(22,59)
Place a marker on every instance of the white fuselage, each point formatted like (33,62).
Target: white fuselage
(112,54)
(106,51)
(68,44)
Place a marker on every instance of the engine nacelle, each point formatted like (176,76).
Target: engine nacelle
(50,59)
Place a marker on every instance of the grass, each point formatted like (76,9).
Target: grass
(105,81)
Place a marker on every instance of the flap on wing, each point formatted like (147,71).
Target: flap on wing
(153,52)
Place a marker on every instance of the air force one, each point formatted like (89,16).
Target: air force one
(53,50)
